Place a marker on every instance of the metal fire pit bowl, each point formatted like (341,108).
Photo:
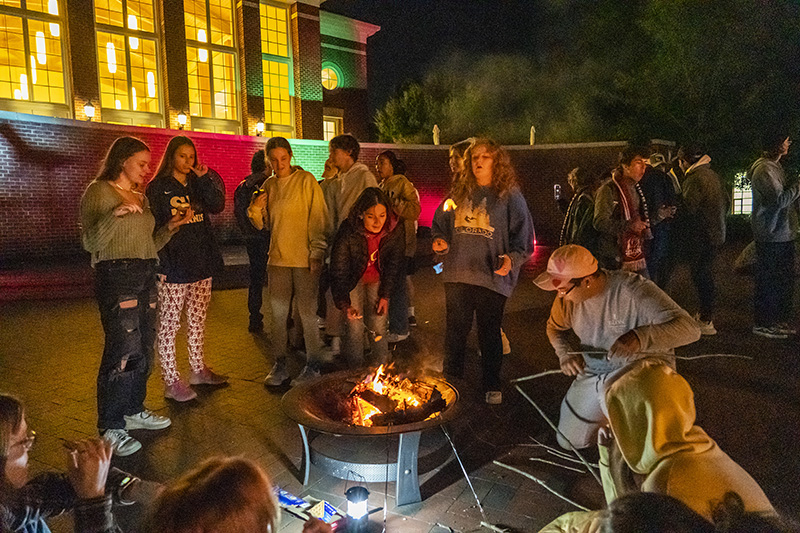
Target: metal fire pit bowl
(303,404)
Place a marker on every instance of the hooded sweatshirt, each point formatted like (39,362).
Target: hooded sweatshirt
(346,190)
(652,413)
(405,203)
(706,203)
(772,202)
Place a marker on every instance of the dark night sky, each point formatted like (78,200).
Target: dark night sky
(415,33)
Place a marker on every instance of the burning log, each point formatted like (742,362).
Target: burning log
(410,415)
(383,403)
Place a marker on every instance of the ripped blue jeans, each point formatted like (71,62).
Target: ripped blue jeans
(126,295)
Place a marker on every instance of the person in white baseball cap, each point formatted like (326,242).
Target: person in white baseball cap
(600,322)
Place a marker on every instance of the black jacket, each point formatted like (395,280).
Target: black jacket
(242,197)
(349,259)
(192,253)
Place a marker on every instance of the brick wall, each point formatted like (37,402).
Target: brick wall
(251,75)
(307,70)
(47,164)
(83,57)
(351,96)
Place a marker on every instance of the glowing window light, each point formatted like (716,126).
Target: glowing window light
(202,54)
(133,94)
(55,29)
(17,94)
(52,7)
(41,48)
(117,104)
(33,69)
(201,36)
(133,24)
(111,58)
(23,87)
(151,85)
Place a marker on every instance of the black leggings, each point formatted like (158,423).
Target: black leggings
(464,301)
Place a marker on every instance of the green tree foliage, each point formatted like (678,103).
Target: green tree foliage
(717,72)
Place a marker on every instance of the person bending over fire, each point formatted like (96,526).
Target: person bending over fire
(600,322)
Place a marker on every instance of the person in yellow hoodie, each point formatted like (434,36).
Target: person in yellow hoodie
(652,417)
(291,204)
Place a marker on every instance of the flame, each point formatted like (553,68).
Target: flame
(398,389)
(449,205)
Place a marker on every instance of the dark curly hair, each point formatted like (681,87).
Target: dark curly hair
(504,177)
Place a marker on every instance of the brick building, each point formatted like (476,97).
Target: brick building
(244,67)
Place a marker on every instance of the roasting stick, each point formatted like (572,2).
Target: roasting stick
(540,482)
(681,357)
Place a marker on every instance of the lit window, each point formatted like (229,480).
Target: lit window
(276,63)
(274,31)
(330,79)
(127,59)
(742,195)
(331,127)
(35,75)
(211,60)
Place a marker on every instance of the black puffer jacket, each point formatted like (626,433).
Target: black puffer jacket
(349,259)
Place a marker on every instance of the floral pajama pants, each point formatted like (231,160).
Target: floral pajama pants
(171,300)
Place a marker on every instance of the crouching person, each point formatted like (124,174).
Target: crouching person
(366,266)
(616,317)
(87,488)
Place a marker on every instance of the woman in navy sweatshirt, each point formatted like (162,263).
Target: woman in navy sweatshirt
(484,232)
(187,263)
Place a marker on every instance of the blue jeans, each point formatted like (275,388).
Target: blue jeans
(774,282)
(364,299)
(126,296)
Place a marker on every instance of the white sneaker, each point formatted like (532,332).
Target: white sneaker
(494,397)
(396,337)
(146,420)
(506,344)
(320,323)
(278,375)
(706,327)
(122,444)
(308,373)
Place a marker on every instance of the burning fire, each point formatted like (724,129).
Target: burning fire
(449,204)
(392,398)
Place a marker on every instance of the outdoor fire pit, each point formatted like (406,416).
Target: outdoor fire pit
(370,404)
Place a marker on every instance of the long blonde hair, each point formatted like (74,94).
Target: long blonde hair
(504,177)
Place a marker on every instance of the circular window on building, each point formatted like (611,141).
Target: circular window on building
(330,79)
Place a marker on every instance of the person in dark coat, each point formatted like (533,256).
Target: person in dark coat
(662,199)
(578,225)
(256,241)
(366,267)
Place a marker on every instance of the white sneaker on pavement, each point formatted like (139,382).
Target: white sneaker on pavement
(146,420)
(122,444)
(494,397)
(706,326)
(278,375)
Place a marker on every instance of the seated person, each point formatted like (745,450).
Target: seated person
(600,322)
(25,504)
(222,494)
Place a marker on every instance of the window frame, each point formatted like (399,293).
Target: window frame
(213,123)
(338,71)
(30,106)
(129,116)
(288,60)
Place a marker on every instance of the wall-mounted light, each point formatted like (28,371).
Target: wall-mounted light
(181,120)
(259,127)
(356,507)
(89,110)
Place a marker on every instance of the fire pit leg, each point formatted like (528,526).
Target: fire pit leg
(305,462)
(407,487)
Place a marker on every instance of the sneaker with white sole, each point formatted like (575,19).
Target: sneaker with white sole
(122,444)
(770,332)
(179,391)
(494,397)
(278,375)
(309,372)
(706,326)
(146,420)
(396,337)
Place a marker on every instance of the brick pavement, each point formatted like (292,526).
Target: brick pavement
(49,351)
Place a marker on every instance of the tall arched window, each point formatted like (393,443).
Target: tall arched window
(127,56)
(212,66)
(32,78)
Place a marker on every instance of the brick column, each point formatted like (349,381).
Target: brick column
(251,76)
(83,57)
(307,71)
(173,62)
